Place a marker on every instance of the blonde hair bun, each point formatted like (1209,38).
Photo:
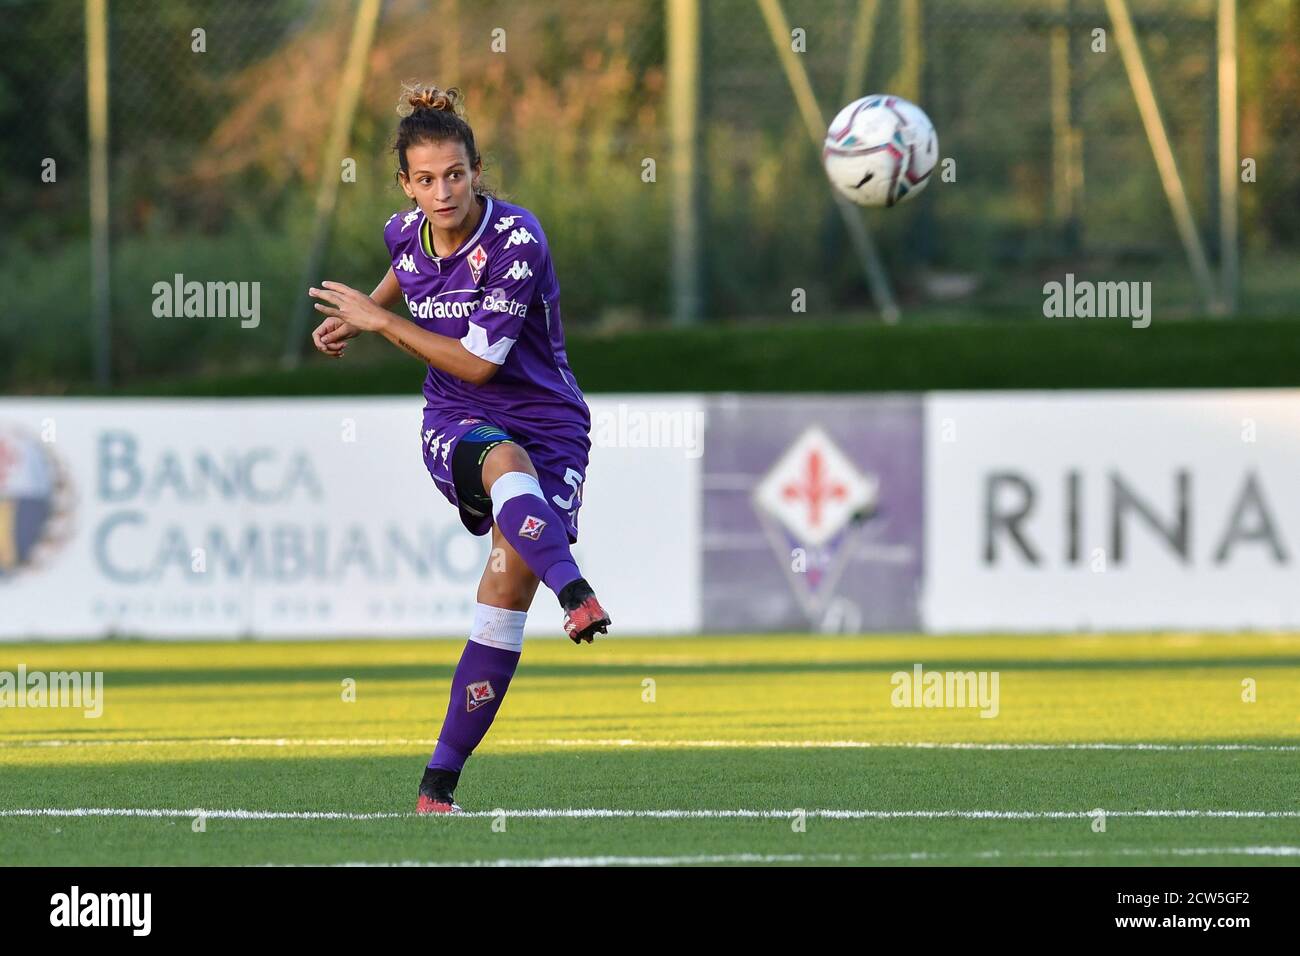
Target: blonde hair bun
(416,98)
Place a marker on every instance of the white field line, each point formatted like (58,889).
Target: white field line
(632,743)
(1073,854)
(592,813)
(617,860)
(922,856)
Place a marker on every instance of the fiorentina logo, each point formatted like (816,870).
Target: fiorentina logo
(532,528)
(477,694)
(477,260)
(813,499)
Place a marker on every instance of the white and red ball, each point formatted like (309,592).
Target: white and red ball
(880,150)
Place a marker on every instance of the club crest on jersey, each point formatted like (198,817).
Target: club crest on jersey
(532,528)
(477,694)
(477,260)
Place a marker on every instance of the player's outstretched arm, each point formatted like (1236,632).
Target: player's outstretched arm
(362,312)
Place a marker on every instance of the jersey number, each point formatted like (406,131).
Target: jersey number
(573,479)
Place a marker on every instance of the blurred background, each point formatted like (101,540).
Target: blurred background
(671,150)
(220,166)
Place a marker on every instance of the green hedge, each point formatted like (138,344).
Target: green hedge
(840,357)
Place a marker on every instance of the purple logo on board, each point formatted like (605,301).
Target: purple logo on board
(812,513)
(810,504)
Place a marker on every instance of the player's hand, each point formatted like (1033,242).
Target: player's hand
(331,337)
(355,308)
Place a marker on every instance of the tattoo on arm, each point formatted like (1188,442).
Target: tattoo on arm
(410,348)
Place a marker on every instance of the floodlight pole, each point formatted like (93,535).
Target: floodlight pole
(907,82)
(1067,173)
(797,76)
(327,194)
(1229,178)
(683,24)
(97,129)
(1149,110)
(864,29)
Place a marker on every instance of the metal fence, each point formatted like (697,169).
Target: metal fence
(654,159)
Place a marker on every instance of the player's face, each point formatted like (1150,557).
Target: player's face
(441,182)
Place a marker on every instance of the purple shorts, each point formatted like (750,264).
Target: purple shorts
(561,469)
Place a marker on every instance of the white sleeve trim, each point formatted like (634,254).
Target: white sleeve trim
(476,343)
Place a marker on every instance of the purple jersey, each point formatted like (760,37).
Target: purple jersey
(498,295)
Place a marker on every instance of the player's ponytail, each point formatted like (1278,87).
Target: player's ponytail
(433,115)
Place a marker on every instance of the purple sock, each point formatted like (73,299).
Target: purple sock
(534,530)
(480,681)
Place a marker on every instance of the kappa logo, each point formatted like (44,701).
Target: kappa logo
(407,263)
(532,528)
(505,222)
(519,270)
(477,260)
(520,237)
(409,218)
(470,421)
(434,441)
(477,694)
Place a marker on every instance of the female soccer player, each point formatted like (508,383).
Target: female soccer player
(505,433)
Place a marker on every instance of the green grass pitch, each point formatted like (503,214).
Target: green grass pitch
(775,749)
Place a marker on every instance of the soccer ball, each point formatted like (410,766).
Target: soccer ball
(880,150)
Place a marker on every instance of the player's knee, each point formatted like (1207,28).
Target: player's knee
(505,458)
(508,591)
